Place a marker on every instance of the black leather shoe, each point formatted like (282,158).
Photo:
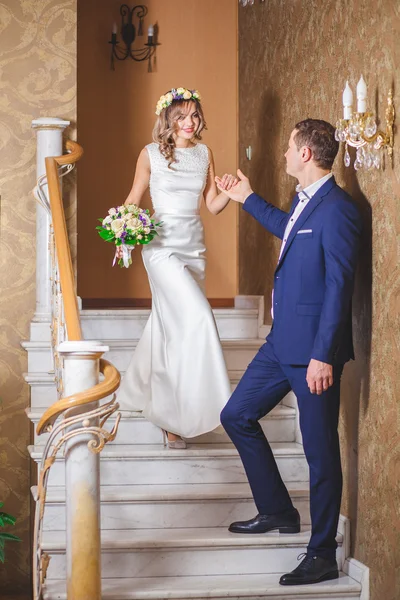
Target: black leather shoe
(312,569)
(285,522)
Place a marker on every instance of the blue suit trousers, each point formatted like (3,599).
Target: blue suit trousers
(265,382)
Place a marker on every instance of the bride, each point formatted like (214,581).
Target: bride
(177,376)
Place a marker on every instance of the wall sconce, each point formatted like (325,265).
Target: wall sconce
(359,129)
(128,34)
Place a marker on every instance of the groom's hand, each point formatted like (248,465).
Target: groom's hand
(240,191)
(319,376)
(226,182)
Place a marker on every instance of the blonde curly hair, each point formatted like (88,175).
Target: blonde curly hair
(166,125)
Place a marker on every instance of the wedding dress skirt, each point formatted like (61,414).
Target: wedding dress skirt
(177,375)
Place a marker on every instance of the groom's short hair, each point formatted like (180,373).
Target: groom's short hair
(319,136)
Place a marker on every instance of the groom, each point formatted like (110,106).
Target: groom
(309,343)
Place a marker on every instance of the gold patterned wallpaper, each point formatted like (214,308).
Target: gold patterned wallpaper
(294,59)
(37,78)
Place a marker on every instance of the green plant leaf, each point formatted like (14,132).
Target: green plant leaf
(5,518)
(10,537)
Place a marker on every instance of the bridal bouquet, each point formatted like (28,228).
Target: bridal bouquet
(127,227)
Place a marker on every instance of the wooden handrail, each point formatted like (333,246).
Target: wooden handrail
(67,279)
(110,384)
(75,154)
(112,376)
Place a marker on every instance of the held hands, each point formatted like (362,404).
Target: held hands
(239,190)
(319,376)
(226,183)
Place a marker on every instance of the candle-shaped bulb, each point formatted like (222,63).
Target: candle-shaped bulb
(114,28)
(347,101)
(361,96)
(150,33)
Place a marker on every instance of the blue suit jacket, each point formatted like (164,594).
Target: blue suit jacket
(314,279)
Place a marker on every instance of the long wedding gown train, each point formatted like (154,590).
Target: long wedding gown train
(177,375)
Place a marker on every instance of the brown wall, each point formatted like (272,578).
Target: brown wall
(294,58)
(116,115)
(38,79)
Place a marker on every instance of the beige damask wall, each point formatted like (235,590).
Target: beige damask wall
(37,78)
(294,58)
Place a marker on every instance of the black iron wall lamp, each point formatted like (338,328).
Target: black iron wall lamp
(129,32)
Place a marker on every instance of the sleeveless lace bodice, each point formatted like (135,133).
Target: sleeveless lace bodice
(179,188)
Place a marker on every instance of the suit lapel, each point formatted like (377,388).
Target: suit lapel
(295,202)
(309,209)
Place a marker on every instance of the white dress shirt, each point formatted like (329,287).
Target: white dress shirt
(304,198)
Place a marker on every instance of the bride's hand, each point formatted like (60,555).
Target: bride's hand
(118,252)
(226,182)
(240,190)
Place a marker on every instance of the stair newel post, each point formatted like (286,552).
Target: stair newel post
(82,474)
(49,143)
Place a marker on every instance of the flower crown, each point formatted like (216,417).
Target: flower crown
(176,94)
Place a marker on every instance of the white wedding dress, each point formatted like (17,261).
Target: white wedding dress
(177,375)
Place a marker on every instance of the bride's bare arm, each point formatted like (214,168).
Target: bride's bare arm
(141,179)
(216,201)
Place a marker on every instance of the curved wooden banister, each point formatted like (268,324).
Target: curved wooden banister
(112,376)
(67,279)
(111,382)
(74,155)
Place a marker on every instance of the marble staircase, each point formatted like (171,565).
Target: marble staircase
(164,512)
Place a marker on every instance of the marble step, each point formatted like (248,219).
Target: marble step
(118,324)
(43,389)
(170,506)
(187,552)
(199,463)
(221,587)
(279,426)
(237,352)
(244,320)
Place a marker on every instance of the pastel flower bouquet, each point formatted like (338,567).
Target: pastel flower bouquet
(127,226)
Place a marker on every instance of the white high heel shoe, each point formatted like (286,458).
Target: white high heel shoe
(174,445)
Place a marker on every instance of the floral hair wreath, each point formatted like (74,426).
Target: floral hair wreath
(176,94)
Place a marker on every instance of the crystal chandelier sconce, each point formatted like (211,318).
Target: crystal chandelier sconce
(129,33)
(247,2)
(359,129)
